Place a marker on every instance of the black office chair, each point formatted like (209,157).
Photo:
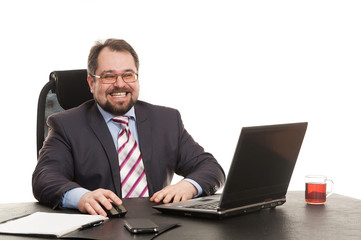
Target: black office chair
(65,90)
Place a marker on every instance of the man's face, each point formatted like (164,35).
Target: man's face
(116,98)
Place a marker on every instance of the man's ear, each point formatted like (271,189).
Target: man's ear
(90,82)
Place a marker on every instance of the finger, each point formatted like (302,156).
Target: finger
(159,197)
(97,207)
(169,197)
(92,202)
(177,198)
(89,209)
(105,197)
(104,202)
(154,196)
(94,208)
(113,197)
(84,205)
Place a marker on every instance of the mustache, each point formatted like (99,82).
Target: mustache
(118,89)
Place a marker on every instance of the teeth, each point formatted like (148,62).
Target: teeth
(119,94)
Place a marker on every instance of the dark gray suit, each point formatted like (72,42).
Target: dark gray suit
(79,152)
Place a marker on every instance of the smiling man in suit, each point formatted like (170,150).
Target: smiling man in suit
(116,146)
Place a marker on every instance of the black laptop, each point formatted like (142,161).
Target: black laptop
(258,177)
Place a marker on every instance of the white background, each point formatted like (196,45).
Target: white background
(223,64)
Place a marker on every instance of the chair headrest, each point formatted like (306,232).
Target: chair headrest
(72,88)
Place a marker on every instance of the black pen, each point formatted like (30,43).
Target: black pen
(92,224)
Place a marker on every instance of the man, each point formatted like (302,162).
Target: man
(83,158)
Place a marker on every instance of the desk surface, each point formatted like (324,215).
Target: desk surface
(339,218)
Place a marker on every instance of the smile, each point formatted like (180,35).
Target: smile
(118,94)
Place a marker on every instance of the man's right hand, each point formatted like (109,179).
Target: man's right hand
(91,202)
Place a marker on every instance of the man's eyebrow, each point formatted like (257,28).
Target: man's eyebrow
(107,71)
(112,71)
(129,70)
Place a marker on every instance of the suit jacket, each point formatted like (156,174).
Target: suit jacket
(79,152)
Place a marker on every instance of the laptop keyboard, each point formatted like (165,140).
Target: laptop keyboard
(208,206)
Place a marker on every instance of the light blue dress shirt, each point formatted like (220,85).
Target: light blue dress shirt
(72,197)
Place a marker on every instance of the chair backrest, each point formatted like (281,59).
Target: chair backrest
(65,90)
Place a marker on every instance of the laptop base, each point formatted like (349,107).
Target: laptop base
(217,214)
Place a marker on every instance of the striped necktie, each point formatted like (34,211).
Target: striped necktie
(132,174)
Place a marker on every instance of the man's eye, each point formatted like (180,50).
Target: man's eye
(127,75)
(109,76)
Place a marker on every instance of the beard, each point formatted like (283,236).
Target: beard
(118,109)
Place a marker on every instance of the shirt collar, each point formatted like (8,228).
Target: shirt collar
(108,116)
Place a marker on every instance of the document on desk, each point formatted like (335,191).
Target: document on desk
(50,224)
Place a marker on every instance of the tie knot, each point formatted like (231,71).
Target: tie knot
(123,120)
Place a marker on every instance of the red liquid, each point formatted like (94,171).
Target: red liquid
(315,193)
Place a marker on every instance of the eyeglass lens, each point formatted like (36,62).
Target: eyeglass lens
(112,78)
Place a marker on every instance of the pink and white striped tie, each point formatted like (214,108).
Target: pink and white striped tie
(132,174)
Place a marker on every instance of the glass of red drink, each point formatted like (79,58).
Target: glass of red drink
(316,189)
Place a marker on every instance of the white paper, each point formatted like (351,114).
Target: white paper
(42,223)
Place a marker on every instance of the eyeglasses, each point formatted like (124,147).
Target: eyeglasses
(109,78)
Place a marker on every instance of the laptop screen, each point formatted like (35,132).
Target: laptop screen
(263,164)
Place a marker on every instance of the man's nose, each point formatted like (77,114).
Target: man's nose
(120,82)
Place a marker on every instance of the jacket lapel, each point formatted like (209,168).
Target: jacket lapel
(145,138)
(100,129)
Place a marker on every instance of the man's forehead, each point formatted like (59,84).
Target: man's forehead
(115,61)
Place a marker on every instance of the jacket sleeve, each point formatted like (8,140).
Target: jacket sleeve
(196,164)
(53,174)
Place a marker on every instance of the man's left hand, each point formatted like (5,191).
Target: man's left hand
(178,192)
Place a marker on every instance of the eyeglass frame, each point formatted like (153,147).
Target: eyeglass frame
(116,77)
